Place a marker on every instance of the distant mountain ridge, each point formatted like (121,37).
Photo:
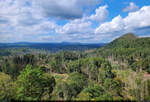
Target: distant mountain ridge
(54,47)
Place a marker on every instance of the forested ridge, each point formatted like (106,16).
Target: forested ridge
(52,47)
(118,71)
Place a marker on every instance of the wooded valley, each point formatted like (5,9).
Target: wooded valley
(116,71)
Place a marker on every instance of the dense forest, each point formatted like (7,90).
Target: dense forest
(118,71)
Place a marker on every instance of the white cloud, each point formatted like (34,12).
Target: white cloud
(19,20)
(44,27)
(75,27)
(138,19)
(83,25)
(35,20)
(101,14)
(134,20)
(23,19)
(116,24)
(131,8)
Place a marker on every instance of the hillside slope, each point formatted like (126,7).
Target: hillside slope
(127,41)
(129,49)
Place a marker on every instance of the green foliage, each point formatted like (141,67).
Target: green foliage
(33,83)
(5,67)
(92,67)
(74,66)
(128,49)
(76,82)
(69,89)
(7,87)
(94,91)
(57,64)
(112,86)
(117,71)
(68,55)
(105,97)
(62,91)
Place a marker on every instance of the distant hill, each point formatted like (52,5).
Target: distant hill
(129,40)
(53,47)
(125,46)
(129,36)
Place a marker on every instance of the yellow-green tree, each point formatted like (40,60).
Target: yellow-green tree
(7,87)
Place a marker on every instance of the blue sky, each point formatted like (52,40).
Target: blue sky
(85,21)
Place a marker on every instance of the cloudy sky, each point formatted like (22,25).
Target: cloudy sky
(86,21)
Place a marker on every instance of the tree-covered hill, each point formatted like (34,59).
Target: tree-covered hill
(128,49)
(129,40)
